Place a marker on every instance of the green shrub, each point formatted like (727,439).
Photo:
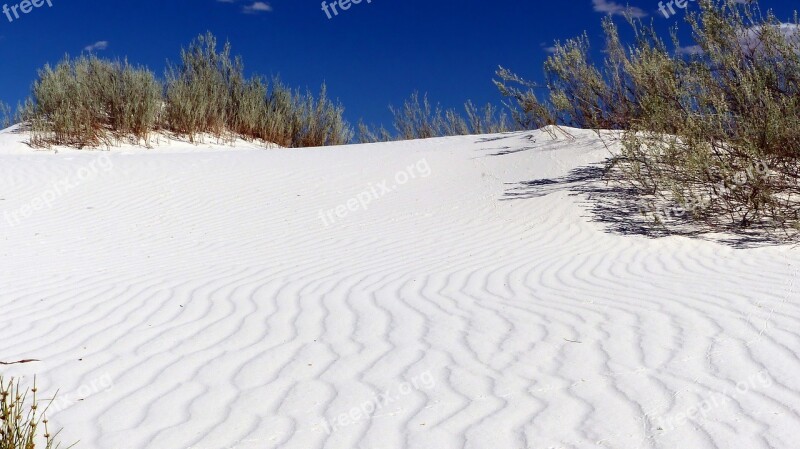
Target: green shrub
(715,130)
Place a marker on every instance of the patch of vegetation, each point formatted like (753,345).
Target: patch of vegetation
(23,424)
(87,101)
(713,128)
(418,119)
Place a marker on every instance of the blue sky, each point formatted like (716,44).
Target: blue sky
(371,55)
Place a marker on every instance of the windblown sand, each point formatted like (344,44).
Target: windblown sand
(233,297)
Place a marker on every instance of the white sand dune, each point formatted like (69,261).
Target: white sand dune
(199,299)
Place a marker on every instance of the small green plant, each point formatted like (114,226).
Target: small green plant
(23,424)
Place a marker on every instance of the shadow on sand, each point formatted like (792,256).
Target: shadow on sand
(617,207)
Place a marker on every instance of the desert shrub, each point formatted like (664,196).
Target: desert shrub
(489,120)
(88,101)
(6,116)
(23,424)
(419,119)
(367,134)
(80,101)
(67,107)
(580,94)
(321,121)
(247,107)
(282,120)
(293,119)
(199,89)
(209,93)
(715,129)
(131,97)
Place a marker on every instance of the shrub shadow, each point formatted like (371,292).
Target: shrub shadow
(618,207)
(504,150)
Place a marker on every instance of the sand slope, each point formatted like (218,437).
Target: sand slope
(214,299)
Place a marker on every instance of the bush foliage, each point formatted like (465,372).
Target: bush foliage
(418,119)
(87,101)
(713,128)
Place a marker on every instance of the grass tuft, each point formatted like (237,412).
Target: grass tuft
(23,422)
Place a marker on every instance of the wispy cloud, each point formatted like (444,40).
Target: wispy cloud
(253,7)
(616,9)
(548,48)
(99,45)
(690,50)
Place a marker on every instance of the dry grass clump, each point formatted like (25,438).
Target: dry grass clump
(5,115)
(713,128)
(199,90)
(85,101)
(418,119)
(88,101)
(22,424)
(368,134)
(299,119)
(209,93)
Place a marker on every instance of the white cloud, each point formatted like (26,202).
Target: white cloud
(548,48)
(750,39)
(99,45)
(257,7)
(253,8)
(616,9)
(690,50)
